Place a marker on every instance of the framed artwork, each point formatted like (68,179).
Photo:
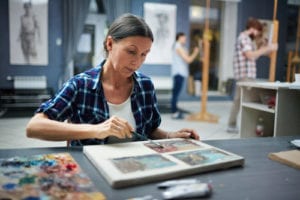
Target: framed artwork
(162,20)
(28,32)
(143,162)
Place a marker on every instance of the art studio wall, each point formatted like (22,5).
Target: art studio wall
(53,70)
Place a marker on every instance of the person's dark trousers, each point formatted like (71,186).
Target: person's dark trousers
(177,85)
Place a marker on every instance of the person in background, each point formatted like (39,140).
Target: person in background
(106,104)
(179,70)
(244,66)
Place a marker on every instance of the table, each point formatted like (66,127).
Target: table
(260,178)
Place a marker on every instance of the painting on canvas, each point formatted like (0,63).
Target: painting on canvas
(267,34)
(202,157)
(141,163)
(173,145)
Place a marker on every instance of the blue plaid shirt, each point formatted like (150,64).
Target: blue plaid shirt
(82,100)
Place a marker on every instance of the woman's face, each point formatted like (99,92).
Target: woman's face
(128,54)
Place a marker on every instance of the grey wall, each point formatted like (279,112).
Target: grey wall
(53,69)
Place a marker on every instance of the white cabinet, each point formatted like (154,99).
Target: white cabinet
(280,120)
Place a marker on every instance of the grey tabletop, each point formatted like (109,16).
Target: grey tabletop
(259,178)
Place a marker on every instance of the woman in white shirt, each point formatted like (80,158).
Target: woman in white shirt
(179,70)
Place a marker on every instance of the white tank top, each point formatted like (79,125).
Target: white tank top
(123,111)
(179,66)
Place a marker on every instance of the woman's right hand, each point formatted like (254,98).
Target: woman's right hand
(114,126)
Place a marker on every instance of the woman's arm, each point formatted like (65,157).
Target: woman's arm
(183,133)
(41,127)
(187,58)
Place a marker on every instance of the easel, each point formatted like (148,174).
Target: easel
(273,54)
(293,56)
(204,115)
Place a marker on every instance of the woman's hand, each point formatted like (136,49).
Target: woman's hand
(114,126)
(184,133)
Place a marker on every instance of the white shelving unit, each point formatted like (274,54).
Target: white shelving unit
(281,120)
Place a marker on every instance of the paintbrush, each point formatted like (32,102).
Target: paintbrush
(145,138)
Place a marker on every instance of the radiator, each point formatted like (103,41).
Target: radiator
(30,82)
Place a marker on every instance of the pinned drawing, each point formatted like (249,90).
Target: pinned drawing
(161,17)
(267,33)
(28,32)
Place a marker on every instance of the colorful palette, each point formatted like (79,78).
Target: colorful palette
(49,176)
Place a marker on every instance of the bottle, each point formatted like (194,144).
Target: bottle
(259,130)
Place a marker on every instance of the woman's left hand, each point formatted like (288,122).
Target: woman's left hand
(184,133)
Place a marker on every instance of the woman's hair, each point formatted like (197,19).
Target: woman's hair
(128,25)
(178,35)
(254,23)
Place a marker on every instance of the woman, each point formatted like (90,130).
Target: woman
(181,59)
(107,103)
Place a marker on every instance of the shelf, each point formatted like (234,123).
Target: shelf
(282,120)
(23,98)
(258,106)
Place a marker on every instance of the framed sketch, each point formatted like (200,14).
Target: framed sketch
(28,32)
(143,162)
(162,20)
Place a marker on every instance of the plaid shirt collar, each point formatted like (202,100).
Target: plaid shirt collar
(96,77)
